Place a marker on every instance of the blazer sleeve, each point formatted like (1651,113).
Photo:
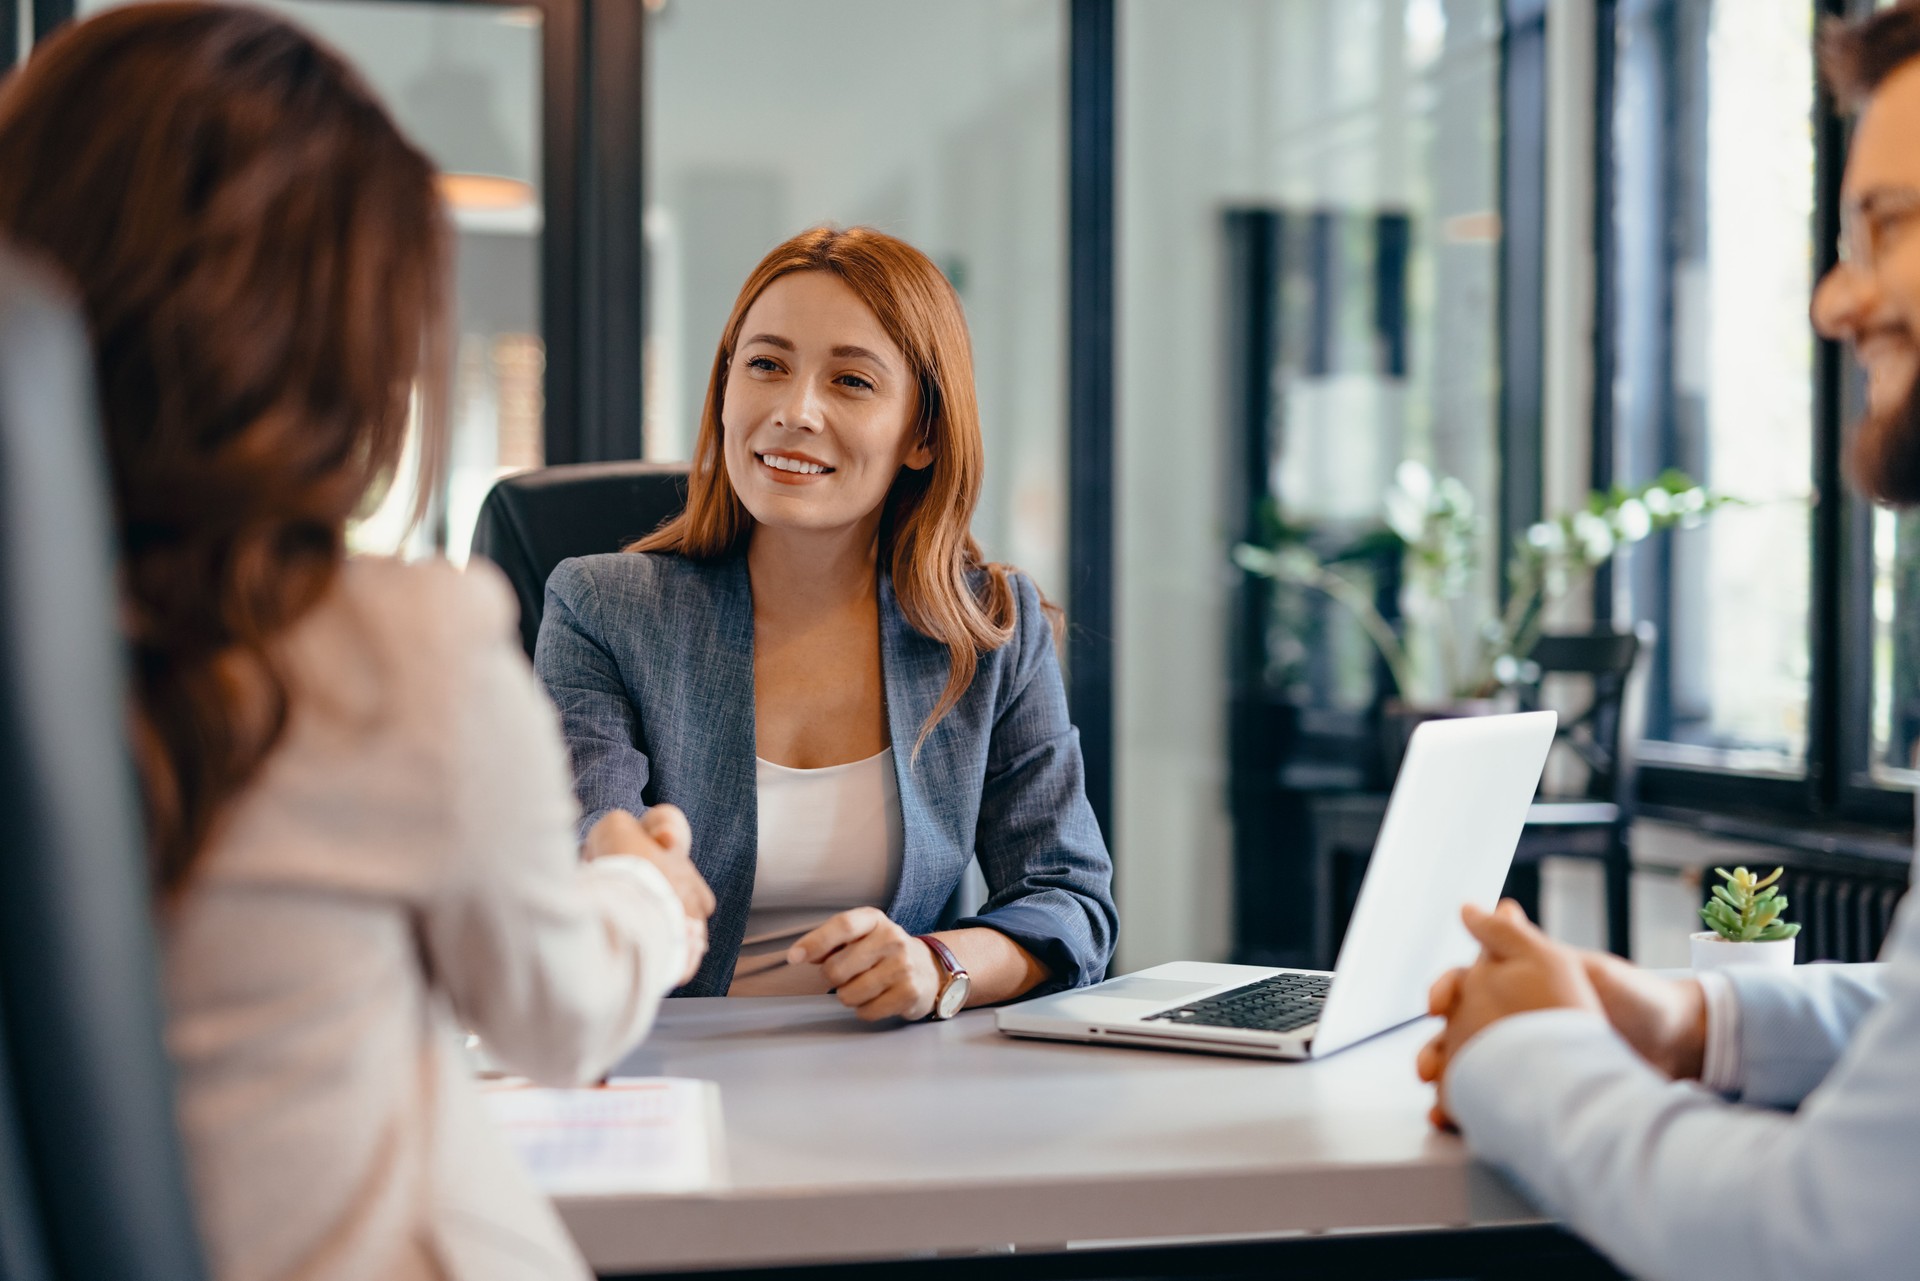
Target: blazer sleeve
(559,965)
(1049,878)
(610,768)
(1795,1024)
(1644,1167)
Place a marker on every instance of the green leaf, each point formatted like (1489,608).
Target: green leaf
(1726,896)
(1777,931)
(1719,911)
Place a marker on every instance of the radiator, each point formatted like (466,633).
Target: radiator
(1843,916)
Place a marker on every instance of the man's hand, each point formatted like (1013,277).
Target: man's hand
(662,838)
(1519,969)
(877,969)
(1664,1020)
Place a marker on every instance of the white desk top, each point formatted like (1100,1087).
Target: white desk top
(850,1142)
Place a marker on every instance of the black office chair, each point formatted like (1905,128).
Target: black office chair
(1596,820)
(533,520)
(91,1177)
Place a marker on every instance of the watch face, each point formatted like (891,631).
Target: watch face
(952,997)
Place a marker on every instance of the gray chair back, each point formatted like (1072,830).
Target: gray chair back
(91,1176)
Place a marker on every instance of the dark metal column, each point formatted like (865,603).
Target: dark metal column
(1094,47)
(612,293)
(1523,258)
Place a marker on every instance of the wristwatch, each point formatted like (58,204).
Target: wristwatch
(954,983)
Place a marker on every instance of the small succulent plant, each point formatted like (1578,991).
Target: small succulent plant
(1747,908)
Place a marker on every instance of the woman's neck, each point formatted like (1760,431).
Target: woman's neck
(806,572)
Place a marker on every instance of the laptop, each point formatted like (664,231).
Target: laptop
(1448,838)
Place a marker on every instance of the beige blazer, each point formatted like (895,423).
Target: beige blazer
(404,867)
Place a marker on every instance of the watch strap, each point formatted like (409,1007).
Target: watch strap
(944,956)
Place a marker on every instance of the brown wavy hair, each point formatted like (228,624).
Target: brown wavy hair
(947,589)
(261,259)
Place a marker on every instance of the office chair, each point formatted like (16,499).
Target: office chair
(91,1177)
(1595,821)
(532,521)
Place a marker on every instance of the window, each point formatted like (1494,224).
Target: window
(1788,676)
(1896,647)
(1715,153)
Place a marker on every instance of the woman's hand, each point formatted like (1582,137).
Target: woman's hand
(662,838)
(877,969)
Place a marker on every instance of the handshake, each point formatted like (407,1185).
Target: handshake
(661,837)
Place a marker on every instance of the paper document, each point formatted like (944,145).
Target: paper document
(632,1135)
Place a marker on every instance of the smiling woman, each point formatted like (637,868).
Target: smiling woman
(817,663)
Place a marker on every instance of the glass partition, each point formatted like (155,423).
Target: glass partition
(464,81)
(941,123)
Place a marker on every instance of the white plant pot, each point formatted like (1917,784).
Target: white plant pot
(1711,952)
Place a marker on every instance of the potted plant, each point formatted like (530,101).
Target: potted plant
(1438,527)
(1747,929)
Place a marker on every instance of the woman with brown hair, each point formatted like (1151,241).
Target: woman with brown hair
(818,665)
(357,800)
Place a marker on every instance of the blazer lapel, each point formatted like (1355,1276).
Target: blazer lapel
(722,803)
(913,672)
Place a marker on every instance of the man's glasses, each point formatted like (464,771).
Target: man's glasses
(1870,224)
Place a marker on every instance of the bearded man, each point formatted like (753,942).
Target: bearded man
(1748,1124)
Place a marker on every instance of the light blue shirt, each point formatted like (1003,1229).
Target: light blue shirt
(1670,1179)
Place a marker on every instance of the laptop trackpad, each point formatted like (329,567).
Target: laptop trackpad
(1157,991)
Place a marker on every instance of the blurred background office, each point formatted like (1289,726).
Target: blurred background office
(1229,264)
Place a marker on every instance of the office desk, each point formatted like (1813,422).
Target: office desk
(846,1142)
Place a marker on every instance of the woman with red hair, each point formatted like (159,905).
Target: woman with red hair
(818,665)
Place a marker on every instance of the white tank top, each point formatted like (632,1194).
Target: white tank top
(830,839)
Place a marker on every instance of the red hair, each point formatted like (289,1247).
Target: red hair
(946,588)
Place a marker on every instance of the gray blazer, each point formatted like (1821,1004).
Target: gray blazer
(650,660)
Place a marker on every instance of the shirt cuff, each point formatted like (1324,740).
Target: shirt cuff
(1720,1066)
(663,949)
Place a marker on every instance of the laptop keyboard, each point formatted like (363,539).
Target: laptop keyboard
(1283,1003)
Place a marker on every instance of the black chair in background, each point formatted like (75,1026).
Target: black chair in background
(1590,820)
(91,1176)
(1593,820)
(533,520)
